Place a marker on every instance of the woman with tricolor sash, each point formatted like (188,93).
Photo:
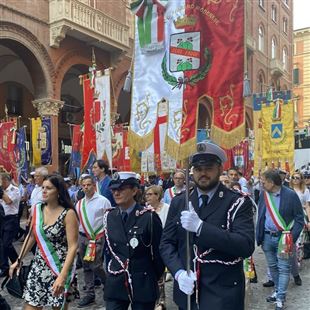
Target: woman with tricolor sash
(55,229)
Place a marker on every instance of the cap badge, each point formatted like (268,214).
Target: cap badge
(201,147)
(115,176)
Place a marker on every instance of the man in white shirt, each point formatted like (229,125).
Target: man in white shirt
(178,179)
(90,210)
(9,199)
(234,177)
(36,195)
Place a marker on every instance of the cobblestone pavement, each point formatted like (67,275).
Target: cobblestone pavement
(298,296)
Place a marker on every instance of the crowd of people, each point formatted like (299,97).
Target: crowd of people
(131,236)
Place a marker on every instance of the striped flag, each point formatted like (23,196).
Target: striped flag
(35,139)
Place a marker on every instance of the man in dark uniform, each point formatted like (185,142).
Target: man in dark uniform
(132,234)
(221,228)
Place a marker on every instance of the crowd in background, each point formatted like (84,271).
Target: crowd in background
(155,191)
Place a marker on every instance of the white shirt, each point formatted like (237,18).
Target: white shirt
(243,182)
(163,213)
(36,197)
(14,194)
(303,197)
(95,208)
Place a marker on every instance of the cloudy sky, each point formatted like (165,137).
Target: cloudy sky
(301,13)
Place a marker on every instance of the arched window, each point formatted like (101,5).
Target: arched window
(260,38)
(284,58)
(261,82)
(273,48)
(285,25)
(261,3)
(274,13)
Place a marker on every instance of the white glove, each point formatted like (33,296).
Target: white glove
(190,219)
(186,282)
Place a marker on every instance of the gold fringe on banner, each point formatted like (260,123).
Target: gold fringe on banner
(274,161)
(180,151)
(139,143)
(229,139)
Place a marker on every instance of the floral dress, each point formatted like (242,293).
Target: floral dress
(38,290)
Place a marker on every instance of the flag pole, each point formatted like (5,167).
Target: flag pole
(188,251)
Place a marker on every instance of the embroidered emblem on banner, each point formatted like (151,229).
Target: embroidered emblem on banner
(185,55)
(184,51)
(276,131)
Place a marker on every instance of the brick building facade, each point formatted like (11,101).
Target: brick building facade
(45,45)
(301,78)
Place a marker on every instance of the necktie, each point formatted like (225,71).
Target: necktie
(204,199)
(124,217)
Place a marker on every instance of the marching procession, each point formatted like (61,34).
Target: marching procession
(154,154)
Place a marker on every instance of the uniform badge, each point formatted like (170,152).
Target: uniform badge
(221,194)
(133,242)
(137,213)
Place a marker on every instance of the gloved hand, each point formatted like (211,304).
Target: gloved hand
(186,282)
(1,192)
(190,220)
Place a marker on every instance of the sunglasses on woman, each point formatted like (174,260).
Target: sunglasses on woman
(295,178)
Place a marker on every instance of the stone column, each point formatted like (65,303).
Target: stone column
(50,108)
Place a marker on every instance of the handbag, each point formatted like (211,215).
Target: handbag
(4,304)
(15,285)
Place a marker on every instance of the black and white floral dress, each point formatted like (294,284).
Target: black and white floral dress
(38,291)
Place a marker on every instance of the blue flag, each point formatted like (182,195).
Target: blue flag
(46,141)
(21,154)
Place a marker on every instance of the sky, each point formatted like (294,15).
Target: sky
(301,11)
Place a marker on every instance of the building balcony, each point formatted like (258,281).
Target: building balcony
(78,20)
(276,67)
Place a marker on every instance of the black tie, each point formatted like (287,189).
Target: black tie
(124,217)
(204,199)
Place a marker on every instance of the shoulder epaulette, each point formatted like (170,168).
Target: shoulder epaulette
(109,209)
(144,210)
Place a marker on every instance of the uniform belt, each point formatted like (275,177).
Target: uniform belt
(273,233)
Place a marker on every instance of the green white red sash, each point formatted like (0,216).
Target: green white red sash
(47,249)
(285,247)
(90,233)
(172,191)
(150,14)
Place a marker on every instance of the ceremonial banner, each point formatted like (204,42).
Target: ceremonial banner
(21,154)
(46,141)
(202,58)
(7,145)
(274,131)
(75,160)
(103,124)
(120,149)
(91,116)
(35,139)
(155,158)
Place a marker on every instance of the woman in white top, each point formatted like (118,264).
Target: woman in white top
(153,197)
(298,184)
